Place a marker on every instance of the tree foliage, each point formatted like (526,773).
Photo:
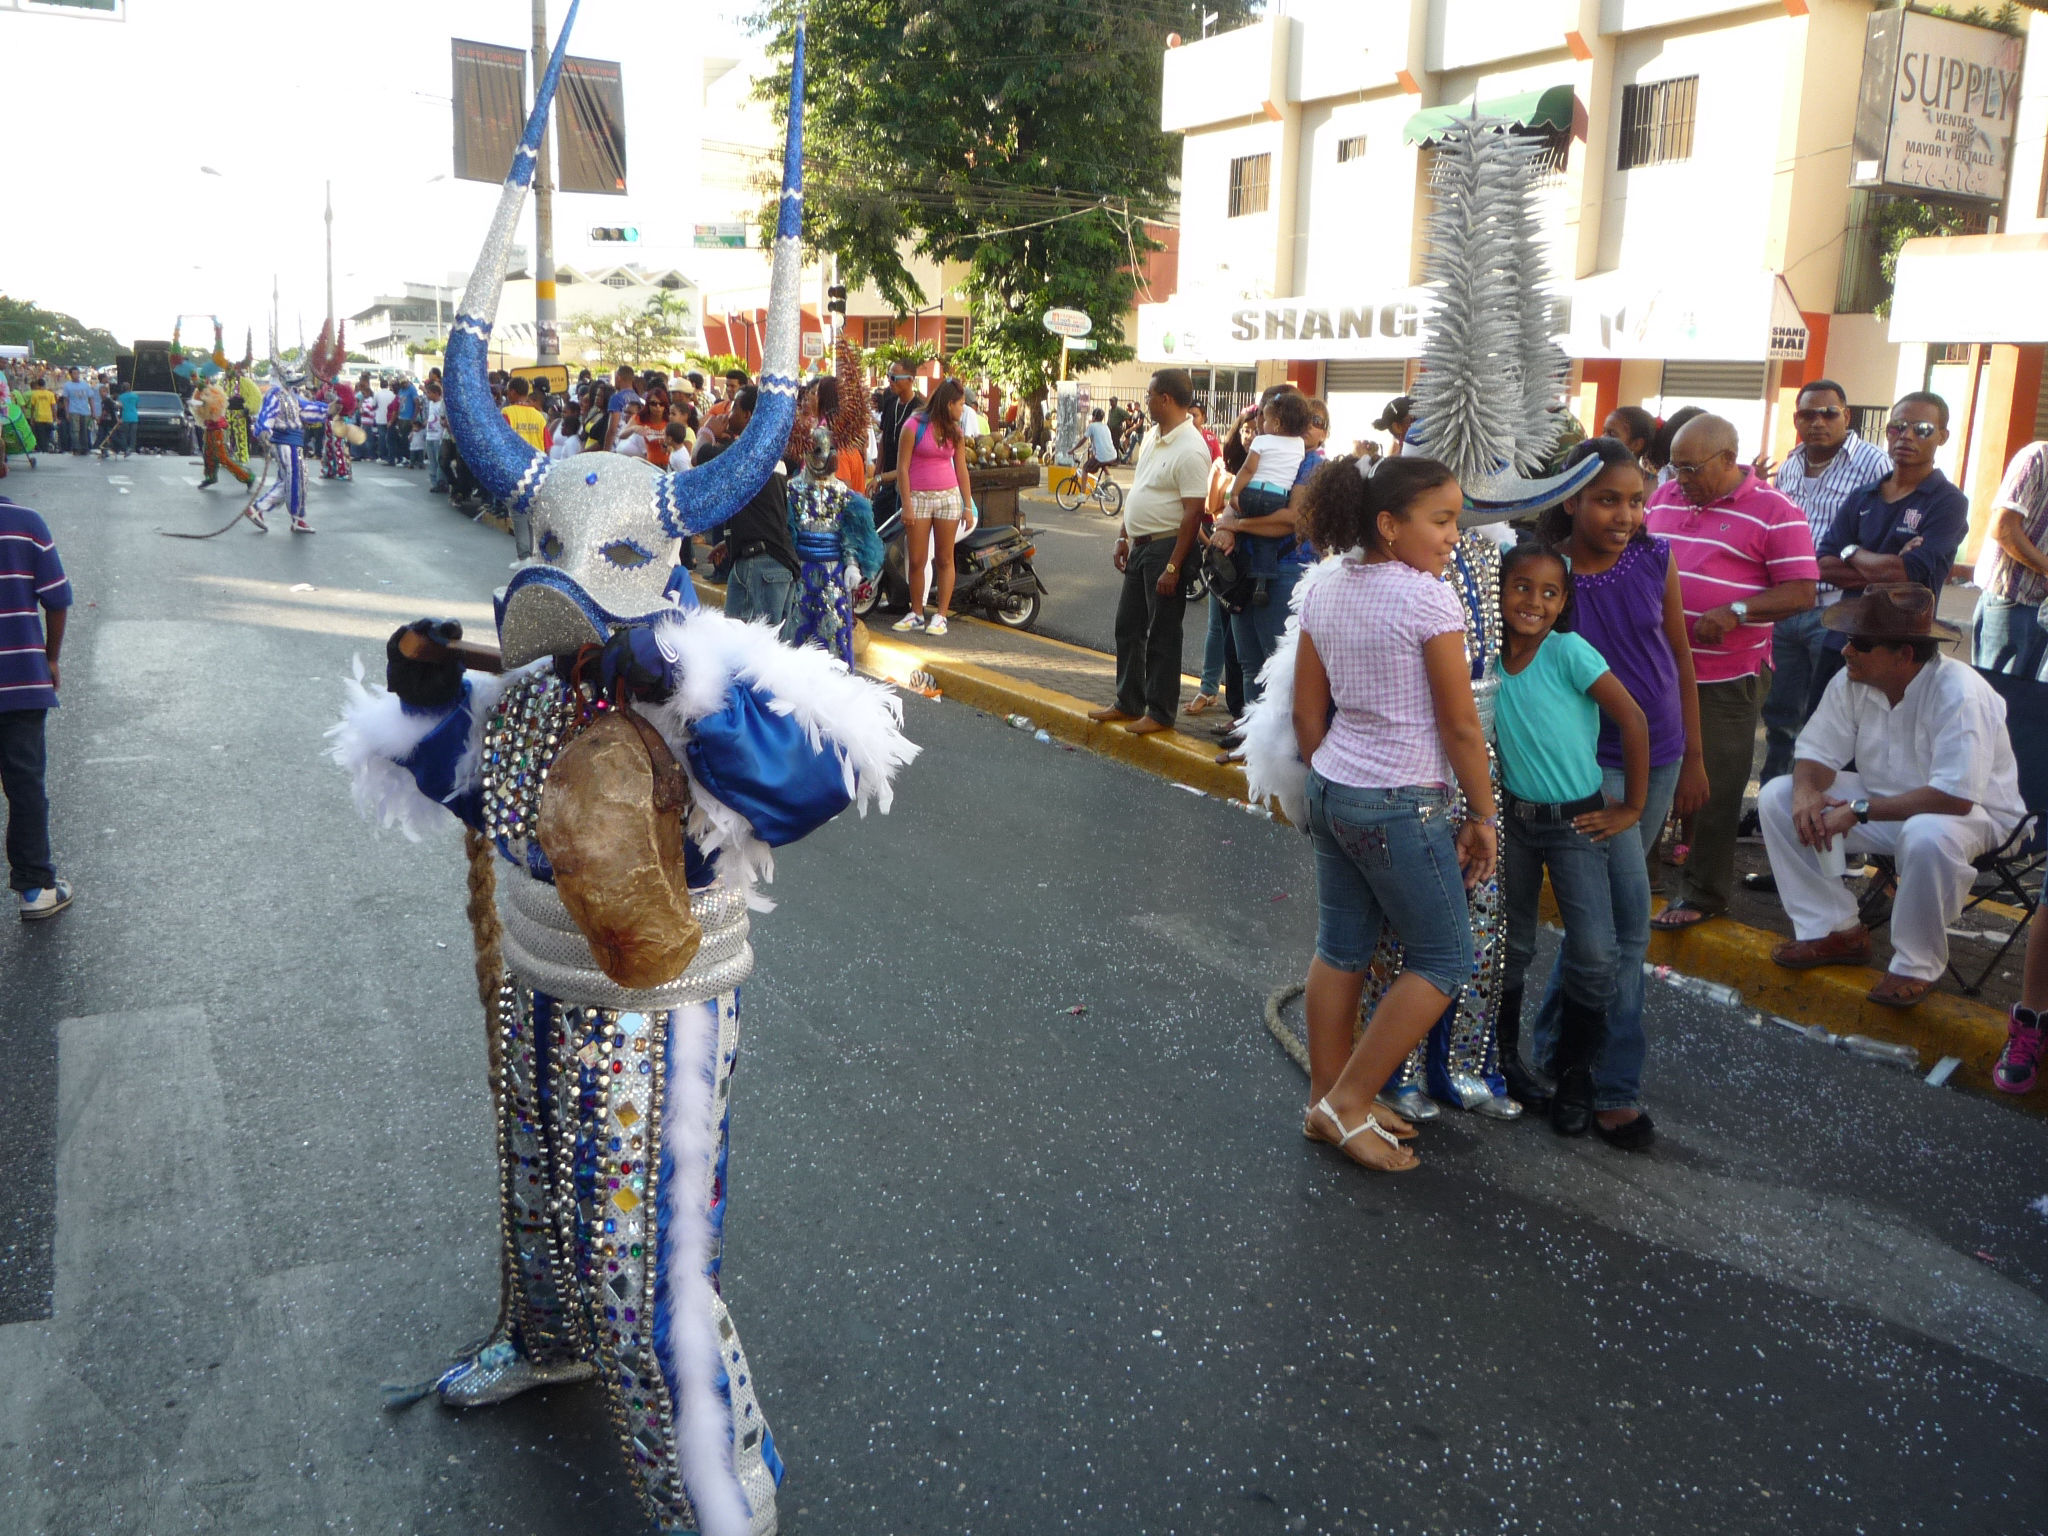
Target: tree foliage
(1020,140)
(52,337)
(659,332)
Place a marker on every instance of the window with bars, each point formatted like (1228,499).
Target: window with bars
(876,333)
(1351,149)
(1657,122)
(1251,183)
(956,332)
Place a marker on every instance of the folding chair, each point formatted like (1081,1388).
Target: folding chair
(2011,872)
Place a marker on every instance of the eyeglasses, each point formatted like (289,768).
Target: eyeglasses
(1700,468)
(1920,429)
(1818,413)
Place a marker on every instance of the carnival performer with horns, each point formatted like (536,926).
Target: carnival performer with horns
(1489,408)
(625,779)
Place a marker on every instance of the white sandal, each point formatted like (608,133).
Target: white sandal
(1372,1124)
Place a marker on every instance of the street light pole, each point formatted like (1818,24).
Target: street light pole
(330,254)
(547,346)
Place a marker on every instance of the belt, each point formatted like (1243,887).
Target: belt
(1555,815)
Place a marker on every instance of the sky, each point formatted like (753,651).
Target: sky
(112,220)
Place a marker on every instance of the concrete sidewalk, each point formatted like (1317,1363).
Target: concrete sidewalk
(1053,684)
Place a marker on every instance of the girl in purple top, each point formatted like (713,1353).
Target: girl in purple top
(1626,604)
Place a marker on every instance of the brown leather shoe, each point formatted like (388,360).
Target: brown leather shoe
(1109,716)
(1849,947)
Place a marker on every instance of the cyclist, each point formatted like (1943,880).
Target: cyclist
(1101,449)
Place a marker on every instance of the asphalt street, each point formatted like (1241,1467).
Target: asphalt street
(1024,1234)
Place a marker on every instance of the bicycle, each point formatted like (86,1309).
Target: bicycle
(1105,492)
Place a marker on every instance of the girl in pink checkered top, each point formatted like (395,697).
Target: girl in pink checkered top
(1384,717)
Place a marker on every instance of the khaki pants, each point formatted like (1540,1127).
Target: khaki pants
(1728,718)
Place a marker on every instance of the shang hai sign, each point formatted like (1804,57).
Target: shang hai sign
(1938,106)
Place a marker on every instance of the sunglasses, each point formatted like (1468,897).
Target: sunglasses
(1920,429)
(1820,413)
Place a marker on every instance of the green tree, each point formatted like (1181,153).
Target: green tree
(52,337)
(1020,140)
(658,332)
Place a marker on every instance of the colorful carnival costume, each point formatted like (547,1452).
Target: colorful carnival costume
(281,423)
(834,532)
(210,407)
(625,782)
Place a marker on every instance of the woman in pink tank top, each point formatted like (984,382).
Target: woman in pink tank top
(935,453)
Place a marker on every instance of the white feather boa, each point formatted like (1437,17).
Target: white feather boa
(376,732)
(859,720)
(1273,768)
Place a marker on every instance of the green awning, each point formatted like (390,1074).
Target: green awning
(1531,109)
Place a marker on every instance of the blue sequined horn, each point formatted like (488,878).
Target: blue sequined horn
(502,461)
(697,500)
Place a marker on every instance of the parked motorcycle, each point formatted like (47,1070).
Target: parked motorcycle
(991,571)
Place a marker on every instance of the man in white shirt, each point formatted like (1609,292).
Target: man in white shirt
(1161,514)
(1936,786)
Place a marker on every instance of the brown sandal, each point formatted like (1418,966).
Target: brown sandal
(1894,991)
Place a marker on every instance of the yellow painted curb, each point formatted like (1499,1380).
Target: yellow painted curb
(1722,950)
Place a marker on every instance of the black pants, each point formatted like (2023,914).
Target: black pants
(28,808)
(1148,629)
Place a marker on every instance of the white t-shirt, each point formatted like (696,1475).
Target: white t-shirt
(1279,460)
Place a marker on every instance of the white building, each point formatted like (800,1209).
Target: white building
(1705,243)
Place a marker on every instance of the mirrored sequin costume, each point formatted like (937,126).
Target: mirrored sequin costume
(1458,1062)
(613,1104)
(836,542)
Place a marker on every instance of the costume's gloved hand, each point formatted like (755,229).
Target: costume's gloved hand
(632,655)
(419,668)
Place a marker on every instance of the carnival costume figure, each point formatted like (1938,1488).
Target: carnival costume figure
(281,425)
(834,532)
(210,407)
(625,780)
(1488,407)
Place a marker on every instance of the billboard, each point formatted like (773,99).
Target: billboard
(1937,107)
(490,108)
(590,115)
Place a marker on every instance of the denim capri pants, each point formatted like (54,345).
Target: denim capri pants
(1386,858)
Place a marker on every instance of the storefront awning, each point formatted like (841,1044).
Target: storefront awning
(1550,108)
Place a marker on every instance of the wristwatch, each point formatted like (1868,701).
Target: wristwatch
(1740,609)
(1862,809)
(1849,552)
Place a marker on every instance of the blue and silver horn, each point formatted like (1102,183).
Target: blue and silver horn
(606,528)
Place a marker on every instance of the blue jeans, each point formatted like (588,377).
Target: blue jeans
(1618,1070)
(1257,630)
(759,587)
(1795,654)
(2007,637)
(28,806)
(1386,857)
(1579,882)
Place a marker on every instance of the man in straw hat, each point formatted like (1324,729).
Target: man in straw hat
(1935,786)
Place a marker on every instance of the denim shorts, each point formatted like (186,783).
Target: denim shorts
(1385,858)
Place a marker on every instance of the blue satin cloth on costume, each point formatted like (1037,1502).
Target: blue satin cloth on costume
(763,765)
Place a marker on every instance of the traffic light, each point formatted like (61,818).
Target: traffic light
(605,232)
(835,299)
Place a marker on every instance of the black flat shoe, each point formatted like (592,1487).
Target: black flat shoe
(1571,1107)
(1634,1136)
(1524,1086)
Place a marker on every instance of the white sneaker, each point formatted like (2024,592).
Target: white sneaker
(936,625)
(45,901)
(911,620)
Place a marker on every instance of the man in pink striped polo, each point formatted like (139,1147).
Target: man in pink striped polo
(1745,559)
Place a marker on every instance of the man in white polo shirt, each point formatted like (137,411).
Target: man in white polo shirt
(1161,514)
